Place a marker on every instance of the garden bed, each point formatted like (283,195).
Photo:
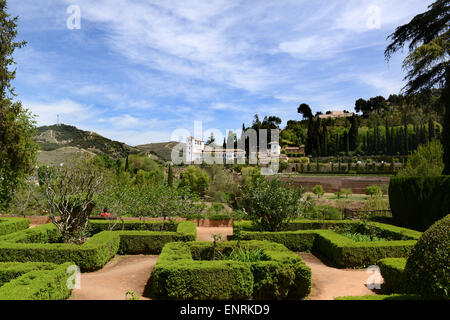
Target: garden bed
(10,225)
(197,271)
(341,251)
(41,243)
(34,281)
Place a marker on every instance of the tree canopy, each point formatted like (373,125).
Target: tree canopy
(427,36)
(17,148)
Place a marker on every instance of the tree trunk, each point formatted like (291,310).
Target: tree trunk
(446,133)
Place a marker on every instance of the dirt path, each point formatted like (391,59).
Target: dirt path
(120,275)
(205,234)
(328,283)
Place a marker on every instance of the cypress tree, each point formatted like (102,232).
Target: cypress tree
(353,134)
(170,176)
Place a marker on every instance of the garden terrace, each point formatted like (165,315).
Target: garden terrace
(34,281)
(189,271)
(10,225)
(322,237)
(43,243)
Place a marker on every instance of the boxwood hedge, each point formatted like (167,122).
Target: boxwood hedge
(34,281)
(393,273)
(182,273)
(41,244)
(10,225)
(341,251)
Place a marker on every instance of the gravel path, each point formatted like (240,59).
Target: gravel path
(328,283)
(120,275)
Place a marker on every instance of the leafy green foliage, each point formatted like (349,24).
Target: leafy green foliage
(271,204)
(182,273)
(17,148)
(246,255)
(374,190)
(195,179)
(393,273)
(417,203)
(427,267)
(426,161)
(318,191)
(41,282)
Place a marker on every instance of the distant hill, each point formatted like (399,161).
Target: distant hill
(163,150)
(61,155)
(60,141)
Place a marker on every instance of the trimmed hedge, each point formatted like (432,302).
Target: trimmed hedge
(428,265)
(417,203)
(338,249)
(41,282)
(182,273)
(12,270)
(10,225)
(38,244)
(393,273)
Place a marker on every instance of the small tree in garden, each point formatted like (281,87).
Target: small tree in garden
(271,204)
(346,192)
(196,179)
(70,193)
(318,191)
(374,190)
(426,161)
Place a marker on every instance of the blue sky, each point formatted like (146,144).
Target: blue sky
(138,70)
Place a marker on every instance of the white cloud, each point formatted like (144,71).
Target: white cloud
(68,111)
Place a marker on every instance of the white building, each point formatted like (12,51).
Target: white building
(197,152)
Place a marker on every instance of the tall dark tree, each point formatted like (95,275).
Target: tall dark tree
(170,176)
(17,148)
(305,111)
(428,39)
(353,134)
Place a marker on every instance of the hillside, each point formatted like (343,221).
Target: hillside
(56,137)
(162,150)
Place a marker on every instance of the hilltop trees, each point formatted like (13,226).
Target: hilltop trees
(17,148)
(427,36)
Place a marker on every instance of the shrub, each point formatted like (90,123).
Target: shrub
(426,161)
(427,267)
(393,273)
(182,273)
(329,213)
(196,179)
(373,190)
(45,282)
(346,192)
(417,203)
(318,191)
(271,204)
(38,244)
(306,236)
(10,225)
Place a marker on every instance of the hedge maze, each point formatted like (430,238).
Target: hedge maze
(34,264)
(343,252)
(194,271)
